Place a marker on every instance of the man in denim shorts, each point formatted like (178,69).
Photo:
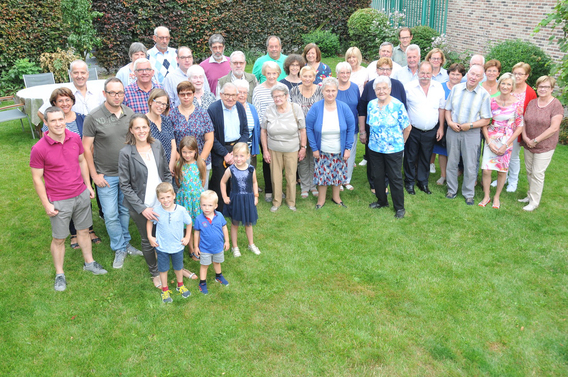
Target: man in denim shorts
(61,180)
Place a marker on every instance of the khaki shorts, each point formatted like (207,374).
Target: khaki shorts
(77,208)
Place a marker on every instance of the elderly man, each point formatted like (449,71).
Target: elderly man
(162,57)
(425,100)
(238,65)
(61,180)
(410,71)
(476,60)
(87,95)
(468,109)
(399,52)
(104,133)
(136,94)
(274,53)
(385,51)
(230,126)
(217,65)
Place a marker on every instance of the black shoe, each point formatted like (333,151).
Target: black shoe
(318,206)
(377,205)
(425,189)
(410,189)
(340,203)
(451,196)
(469,201)
(399,214)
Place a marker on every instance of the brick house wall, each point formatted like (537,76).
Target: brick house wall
(472,24)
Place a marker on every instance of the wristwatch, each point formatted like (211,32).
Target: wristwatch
(305,146)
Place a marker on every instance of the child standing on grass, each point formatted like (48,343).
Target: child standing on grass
(211,239)
(169,239)
(189,173)
(241,205)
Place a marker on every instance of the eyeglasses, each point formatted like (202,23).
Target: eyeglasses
(519,74)
(186,57)
(161,104)
(144,70)
(545,87)
(436,59)
(238,63)
(164,38)
(404,38)
(385,69)
(185,94)
(115,94)
(382,90)
(279,96)
(230,95)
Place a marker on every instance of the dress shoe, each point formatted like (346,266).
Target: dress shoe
(425,189)
(339,204)
(399,214)
(377,205)
(410,189)
(524,200)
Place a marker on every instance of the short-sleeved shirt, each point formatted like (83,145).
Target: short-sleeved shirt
(83,105)
(211,237)
(136,98)
(468,106)
(170,228)
(282,129)
(405,75)
(537,120)
(109,133)
(198,124)
(60,164)
(424,110)
(257,68)
(386,127)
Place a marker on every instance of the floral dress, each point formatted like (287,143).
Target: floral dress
(190,190)
(504,124)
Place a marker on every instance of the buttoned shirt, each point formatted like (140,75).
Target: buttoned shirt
(83,105)
(405,75)
(162,62)
(442,76)
(399,56)
(231,123)
(468,106)
(136,98)
(170,85)
(424,110)
(372,69)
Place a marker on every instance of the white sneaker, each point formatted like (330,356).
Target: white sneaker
(432,168)
(524,200)
(254,249)
(274,209)
(494,183)
(511,187)
(292,208)
(529,208)
(268,198)
(236,252)
(363,162)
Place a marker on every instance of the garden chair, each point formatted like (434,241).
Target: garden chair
(11,112)
(39,79)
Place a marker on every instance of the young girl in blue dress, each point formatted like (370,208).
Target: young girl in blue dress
(189,173)
(240,206)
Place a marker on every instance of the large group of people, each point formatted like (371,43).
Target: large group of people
(171,139)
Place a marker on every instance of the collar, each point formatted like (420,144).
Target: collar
(226,108)
(212,60)
(50,141)
(210,219)
(233,77)
(108,113)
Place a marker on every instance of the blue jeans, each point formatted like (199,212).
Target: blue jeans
(116,214)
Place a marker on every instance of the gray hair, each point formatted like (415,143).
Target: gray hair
(273,36)
(380,80)
(77,62)
(425,62)
(195,70)
(271,65)
(241,83)
(228,85)
(330,81)
(479,56)
(158,28)
(140,61)
(237,53)
(413,47)
(216,38)
(137,47)
(343,65)
(279,87)
(387,44)
(506,76)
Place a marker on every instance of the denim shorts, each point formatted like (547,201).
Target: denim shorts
(206,258)
(77,208)
(164,260)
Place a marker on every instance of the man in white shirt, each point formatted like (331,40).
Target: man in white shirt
(410,71)
(385,51)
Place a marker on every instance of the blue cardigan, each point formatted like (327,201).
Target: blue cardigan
(314,121)
(254,147)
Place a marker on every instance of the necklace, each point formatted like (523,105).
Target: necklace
(543,106)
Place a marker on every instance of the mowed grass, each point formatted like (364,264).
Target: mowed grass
(450,290)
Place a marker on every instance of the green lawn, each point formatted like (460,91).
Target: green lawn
(450,290)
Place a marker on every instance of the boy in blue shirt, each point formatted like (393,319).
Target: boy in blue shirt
(169,239)
(211,239)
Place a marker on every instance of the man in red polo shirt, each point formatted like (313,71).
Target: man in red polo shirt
(61,180)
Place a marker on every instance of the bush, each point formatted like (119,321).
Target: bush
(78,20)
(563,137)
(13,79)
(327,42)
(511,52)
(452,56)
(423,36)
(58,62)
(368,28)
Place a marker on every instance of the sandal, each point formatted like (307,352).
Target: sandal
(349,187)
(315,192)
(157,281)
(94,239)
(188,274)
(194,257)
(304,194)
(74,245)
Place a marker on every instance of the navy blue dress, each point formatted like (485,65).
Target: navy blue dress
(241,210)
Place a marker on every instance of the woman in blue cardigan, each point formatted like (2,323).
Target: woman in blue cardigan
(330,127)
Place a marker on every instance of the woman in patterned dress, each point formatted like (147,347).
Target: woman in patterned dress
(160,125)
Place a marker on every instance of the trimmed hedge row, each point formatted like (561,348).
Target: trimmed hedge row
(245,24)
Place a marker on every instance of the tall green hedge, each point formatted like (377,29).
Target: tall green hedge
(28,29)
(245,24)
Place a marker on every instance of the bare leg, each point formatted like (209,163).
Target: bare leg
(433,158)
(322,192)
(486,186)
(179,276)
(203,272)
(85,244)
(335,190)
(58,254)
(164,278)
(217,267)
(501,178)
(250,237)
(443,161)
(234,233)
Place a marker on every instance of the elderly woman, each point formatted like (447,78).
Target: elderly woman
(359,75)
(261,99)
(126,74)
(348,92)
(492,72)
(190,120)
(305,95)
(292,66)
(437,59)
(65,99)
(282,123)
(540,136)
(455,73)
(253,121)
(525,94)
(312,55)
(330,126)
(142,165)
(160,124)
(201,96)
(389,127)
(499,136)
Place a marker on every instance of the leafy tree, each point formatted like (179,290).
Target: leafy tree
(78,20)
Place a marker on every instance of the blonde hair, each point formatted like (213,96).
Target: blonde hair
(164,188)
(241,147)
(307,68)
(190,143)
(524,66)
(209,195)
(354,51)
